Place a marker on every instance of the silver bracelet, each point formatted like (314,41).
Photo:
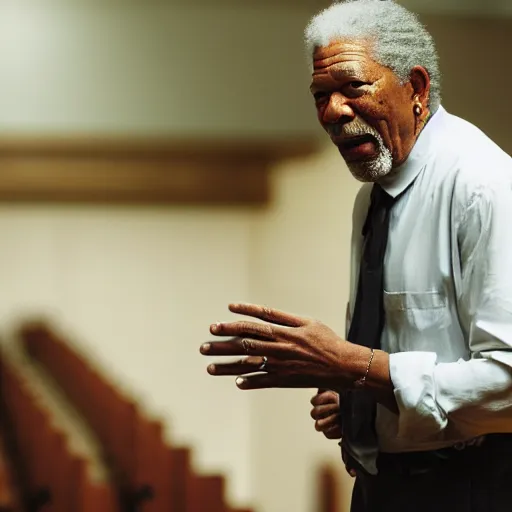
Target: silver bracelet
(360,383)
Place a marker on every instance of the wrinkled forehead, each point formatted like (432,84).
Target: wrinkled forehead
(343,50)
(346,57)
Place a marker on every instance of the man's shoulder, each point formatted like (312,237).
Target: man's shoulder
(473,181)
(464,143)
(472,162)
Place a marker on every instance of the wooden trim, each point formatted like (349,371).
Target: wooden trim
(88,170)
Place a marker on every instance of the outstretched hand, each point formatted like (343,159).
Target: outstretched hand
(283,351)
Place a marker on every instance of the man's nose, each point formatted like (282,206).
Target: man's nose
(338,110)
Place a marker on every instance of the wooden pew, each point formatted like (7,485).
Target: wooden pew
(328,489)
(55,478)
(152,476)
(113,418)
(9,500)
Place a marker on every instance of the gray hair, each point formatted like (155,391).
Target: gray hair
(400,40)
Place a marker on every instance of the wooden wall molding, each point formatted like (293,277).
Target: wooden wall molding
(87,170)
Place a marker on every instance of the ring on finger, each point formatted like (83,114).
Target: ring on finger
(263,365)
(246,346)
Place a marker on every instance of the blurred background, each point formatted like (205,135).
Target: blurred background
(161,159)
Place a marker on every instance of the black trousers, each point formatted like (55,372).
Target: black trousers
(475,479)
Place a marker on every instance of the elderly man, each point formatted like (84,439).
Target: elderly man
(423,380)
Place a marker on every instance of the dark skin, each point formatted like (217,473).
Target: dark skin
(300,352)
(348,85)
(326,413)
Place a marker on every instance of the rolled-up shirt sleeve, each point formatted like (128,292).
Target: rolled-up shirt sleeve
(468,398)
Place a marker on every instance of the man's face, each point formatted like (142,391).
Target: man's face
(363,107)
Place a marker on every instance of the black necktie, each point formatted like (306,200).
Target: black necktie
(358,407)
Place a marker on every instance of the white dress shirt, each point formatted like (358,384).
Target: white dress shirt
(447,289)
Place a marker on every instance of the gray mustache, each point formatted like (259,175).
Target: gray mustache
(350,130)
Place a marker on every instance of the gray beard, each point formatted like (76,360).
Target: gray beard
(370,171)
(373,169)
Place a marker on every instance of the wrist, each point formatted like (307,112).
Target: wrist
(355,363)
(368,365)
(378,379)
(361,382)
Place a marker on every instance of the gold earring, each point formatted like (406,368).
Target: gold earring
(418,109)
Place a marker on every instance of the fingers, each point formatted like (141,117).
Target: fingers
(252,338)
(324,424)
(240,329)
(261,381)
(267,314)
(326,397)
(274,380)
(246,365)
(333,433)
(352,472)
(330,426)
(326,412)
(244,347)
(323,411)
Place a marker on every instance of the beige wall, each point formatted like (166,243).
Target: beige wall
(476,8)
(139,286)
(152,68)
(476,71)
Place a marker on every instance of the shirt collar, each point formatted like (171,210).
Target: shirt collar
(406,173)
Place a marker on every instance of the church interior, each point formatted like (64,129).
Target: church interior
(159,160)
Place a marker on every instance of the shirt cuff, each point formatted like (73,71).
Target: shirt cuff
(412,374)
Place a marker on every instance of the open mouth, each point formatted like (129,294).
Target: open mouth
(361,147)
(353,142)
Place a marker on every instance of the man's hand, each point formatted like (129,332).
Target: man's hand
(286,351)
(326,413)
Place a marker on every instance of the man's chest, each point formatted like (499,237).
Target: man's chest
(420,298)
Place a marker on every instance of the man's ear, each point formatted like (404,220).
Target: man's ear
(420,82)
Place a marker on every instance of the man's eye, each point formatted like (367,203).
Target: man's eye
(357,85)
